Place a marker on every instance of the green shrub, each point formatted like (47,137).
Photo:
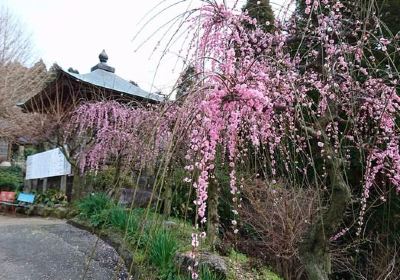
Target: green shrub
(11,178)
(99,219)
(13,169)
(104,180)
(163,246)
(51,197)
(100,210)
(92,207)
(30,151)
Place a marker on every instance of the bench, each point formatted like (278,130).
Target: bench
(8,198)
(23,200)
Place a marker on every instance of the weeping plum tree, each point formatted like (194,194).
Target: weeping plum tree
(303,115)
(315,114)
(109,132)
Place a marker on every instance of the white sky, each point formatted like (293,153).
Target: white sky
(73,32)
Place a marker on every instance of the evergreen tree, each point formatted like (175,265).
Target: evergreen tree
(262,11)
(186,81)
(389,13)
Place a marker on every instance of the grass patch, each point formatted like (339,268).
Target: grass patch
(163,246)
(117,218)
(207,274)
(238,257)
(269,275)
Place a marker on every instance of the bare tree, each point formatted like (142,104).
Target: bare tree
(15,42)
(18,82)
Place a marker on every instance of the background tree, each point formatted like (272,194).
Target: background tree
(262,11)
(186,81)
(15,42)
(18,82)
(388,12)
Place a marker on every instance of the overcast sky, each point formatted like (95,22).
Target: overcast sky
(72,33)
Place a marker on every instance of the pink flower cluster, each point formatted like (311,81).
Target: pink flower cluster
(109,131)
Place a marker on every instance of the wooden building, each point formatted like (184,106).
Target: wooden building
(67,88)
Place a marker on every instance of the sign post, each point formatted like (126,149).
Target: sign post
(51,163)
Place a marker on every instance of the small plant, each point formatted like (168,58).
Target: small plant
(204,274)
(117,218)
(207,274)
(163,246)
(181,194)
(276,218)
(133,229)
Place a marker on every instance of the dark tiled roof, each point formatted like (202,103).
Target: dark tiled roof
(109,80)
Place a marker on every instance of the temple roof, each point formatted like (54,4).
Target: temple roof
(109,80)
(104,75)
(101,83)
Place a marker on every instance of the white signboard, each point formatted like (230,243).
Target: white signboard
(47,164)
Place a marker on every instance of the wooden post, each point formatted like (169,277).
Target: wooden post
(77,185)
(35,184)
(69,188)
(28,185)
(63,184)
(44,184)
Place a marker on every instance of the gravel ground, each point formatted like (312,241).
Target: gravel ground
(42,249)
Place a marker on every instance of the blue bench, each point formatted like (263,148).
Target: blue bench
(25,199)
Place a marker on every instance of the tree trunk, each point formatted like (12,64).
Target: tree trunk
(167,199)
(117,175)
(77,185)
(116,180)
(314,249)
(213,217)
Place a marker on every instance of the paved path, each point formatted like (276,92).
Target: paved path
(47,249)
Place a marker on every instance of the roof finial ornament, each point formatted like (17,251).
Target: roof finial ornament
(103,57)
(103,63)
